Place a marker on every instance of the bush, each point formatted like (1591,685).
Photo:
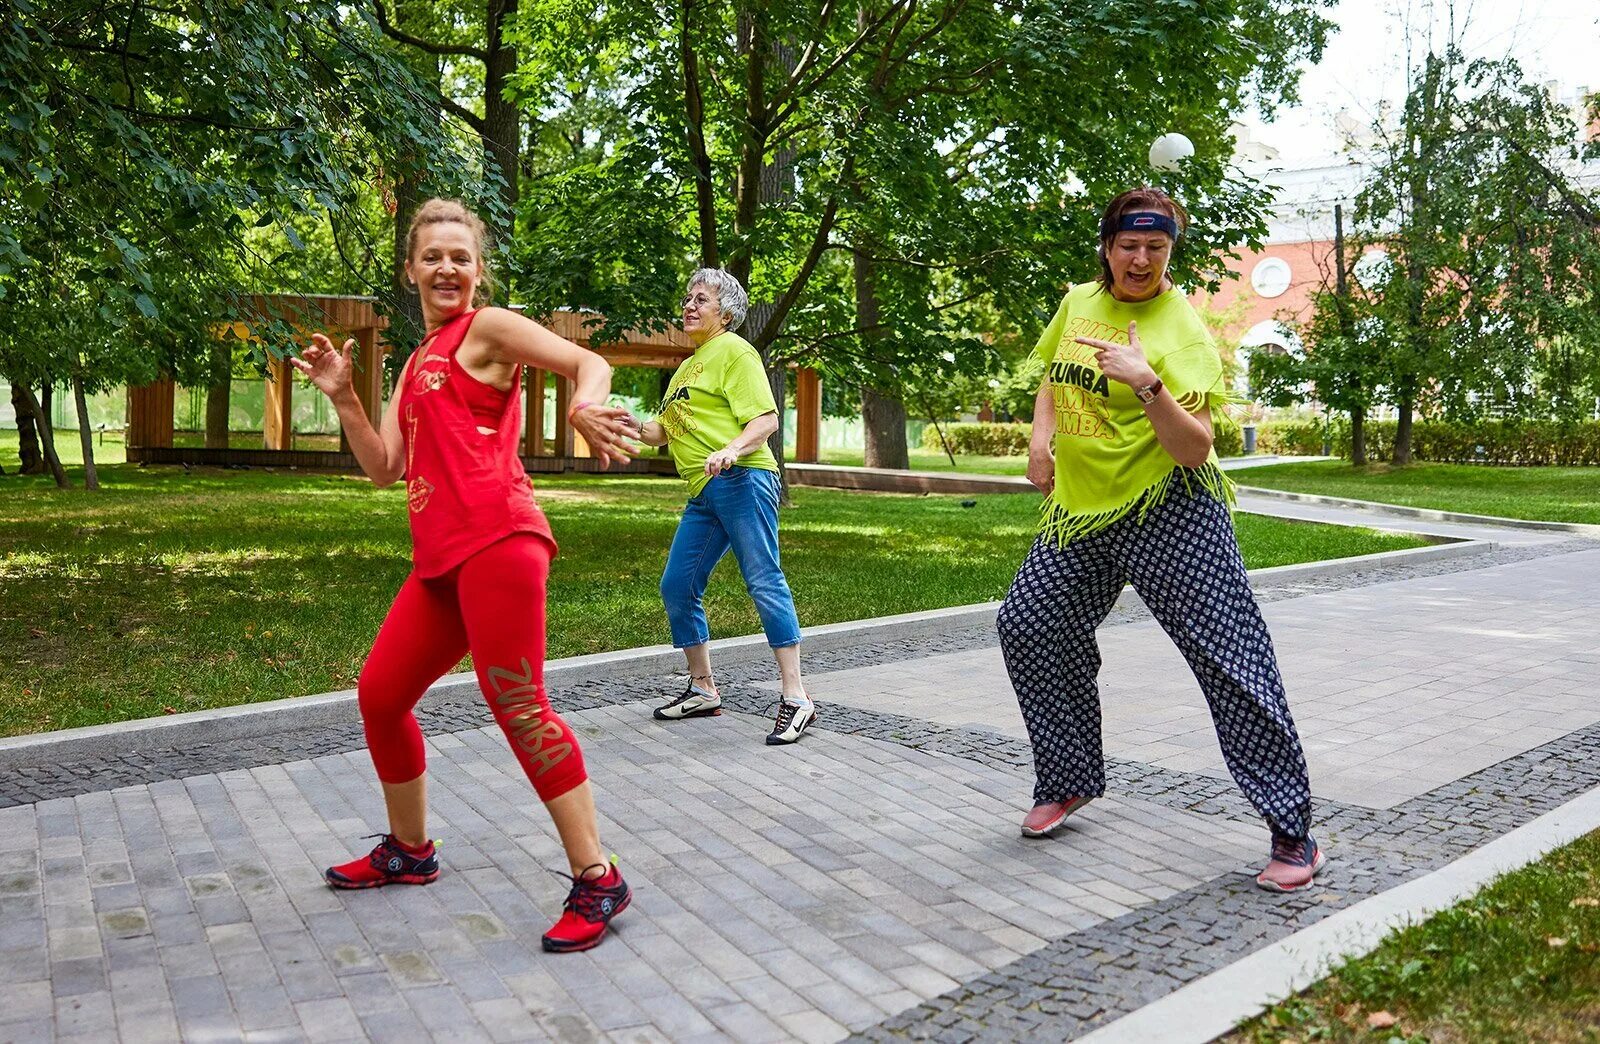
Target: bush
(1448,442)
(1011,440)
(981,440)
(1228,440)
(1290,438)
(1513,442)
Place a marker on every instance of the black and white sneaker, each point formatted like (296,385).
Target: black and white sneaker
(694,703)
(793,719)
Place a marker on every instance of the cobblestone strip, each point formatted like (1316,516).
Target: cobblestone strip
(457,714)
(1189,791)
(1084,980)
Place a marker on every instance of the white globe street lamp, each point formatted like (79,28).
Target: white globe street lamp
(1170,150)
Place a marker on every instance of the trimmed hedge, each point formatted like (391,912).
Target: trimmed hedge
(1290,438)
(1011,440)
(980,440)
(1272,437)
(1447,442)
(1228,440)
(1485,442)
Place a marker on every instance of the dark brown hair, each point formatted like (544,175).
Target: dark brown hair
(1145,197)
(438,211)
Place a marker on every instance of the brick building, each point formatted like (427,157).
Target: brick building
(1270,289)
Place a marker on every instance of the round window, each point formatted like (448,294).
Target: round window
(1270,277)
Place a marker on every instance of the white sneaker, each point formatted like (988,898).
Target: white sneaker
(793,719)
(694,703)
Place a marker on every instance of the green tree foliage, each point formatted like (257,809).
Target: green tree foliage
(1340,364)
(158,160)
(884,176)
(1487,292)
(467,49)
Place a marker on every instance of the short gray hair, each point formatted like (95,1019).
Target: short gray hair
(731,298)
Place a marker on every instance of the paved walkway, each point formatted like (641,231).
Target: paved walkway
(869,881)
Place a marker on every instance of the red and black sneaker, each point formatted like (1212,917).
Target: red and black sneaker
(392,862)
(588,910)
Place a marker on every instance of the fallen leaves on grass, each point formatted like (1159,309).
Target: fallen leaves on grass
(1585,900)
(1381,1020)
(1555,942)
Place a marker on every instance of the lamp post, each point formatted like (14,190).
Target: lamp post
(1170,150)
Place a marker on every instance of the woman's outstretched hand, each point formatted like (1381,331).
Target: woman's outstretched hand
(1125,363)
(326,366)
(607,430)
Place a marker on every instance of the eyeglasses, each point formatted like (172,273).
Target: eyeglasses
(696,299)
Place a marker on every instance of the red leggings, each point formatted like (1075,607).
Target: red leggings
(493,606)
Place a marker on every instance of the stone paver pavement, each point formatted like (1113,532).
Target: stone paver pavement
(868,881)
(800,893)
(1436,679)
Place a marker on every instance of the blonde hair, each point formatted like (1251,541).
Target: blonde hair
(438,211)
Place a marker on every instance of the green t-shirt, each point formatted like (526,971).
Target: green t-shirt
(713,395)
(1108,460)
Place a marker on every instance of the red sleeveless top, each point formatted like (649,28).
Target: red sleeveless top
(465,490)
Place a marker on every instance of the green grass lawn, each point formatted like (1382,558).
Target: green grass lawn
(1517,962)
(923,460)
(109,447)
(109,450)
(183,590)
(1550,494)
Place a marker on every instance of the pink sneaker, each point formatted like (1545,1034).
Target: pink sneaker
(1047,815)
(1294,864)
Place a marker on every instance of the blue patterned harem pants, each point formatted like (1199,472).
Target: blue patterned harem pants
(1184,562)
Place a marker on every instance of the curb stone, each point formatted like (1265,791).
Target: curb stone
(1212,1006)
(1433,514)
(228,724)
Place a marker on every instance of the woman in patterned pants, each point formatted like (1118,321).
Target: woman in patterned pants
(1135,494)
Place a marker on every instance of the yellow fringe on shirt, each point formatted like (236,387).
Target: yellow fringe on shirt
(1061,527)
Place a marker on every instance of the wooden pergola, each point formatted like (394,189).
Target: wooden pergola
(150,407)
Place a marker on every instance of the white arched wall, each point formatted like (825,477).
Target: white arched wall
(1269,334)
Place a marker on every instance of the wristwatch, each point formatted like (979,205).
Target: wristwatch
(1148,393)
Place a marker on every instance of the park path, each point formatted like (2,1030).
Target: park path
(868,881)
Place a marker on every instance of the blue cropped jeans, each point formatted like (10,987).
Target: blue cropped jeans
(739,510)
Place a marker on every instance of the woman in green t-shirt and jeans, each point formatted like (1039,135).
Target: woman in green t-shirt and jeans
(1122,449)
(716,418)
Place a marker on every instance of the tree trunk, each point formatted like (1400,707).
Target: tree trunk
(772,184)
(705,190)
(884,420)
(218,393)
(501,119)
(883,417)
(1417,275)
(91,478)
(663,381)
(756,320)
(27,431)
(1347,330)
(405,324)
(40,412)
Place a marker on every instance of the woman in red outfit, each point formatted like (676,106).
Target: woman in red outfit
(481,552)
